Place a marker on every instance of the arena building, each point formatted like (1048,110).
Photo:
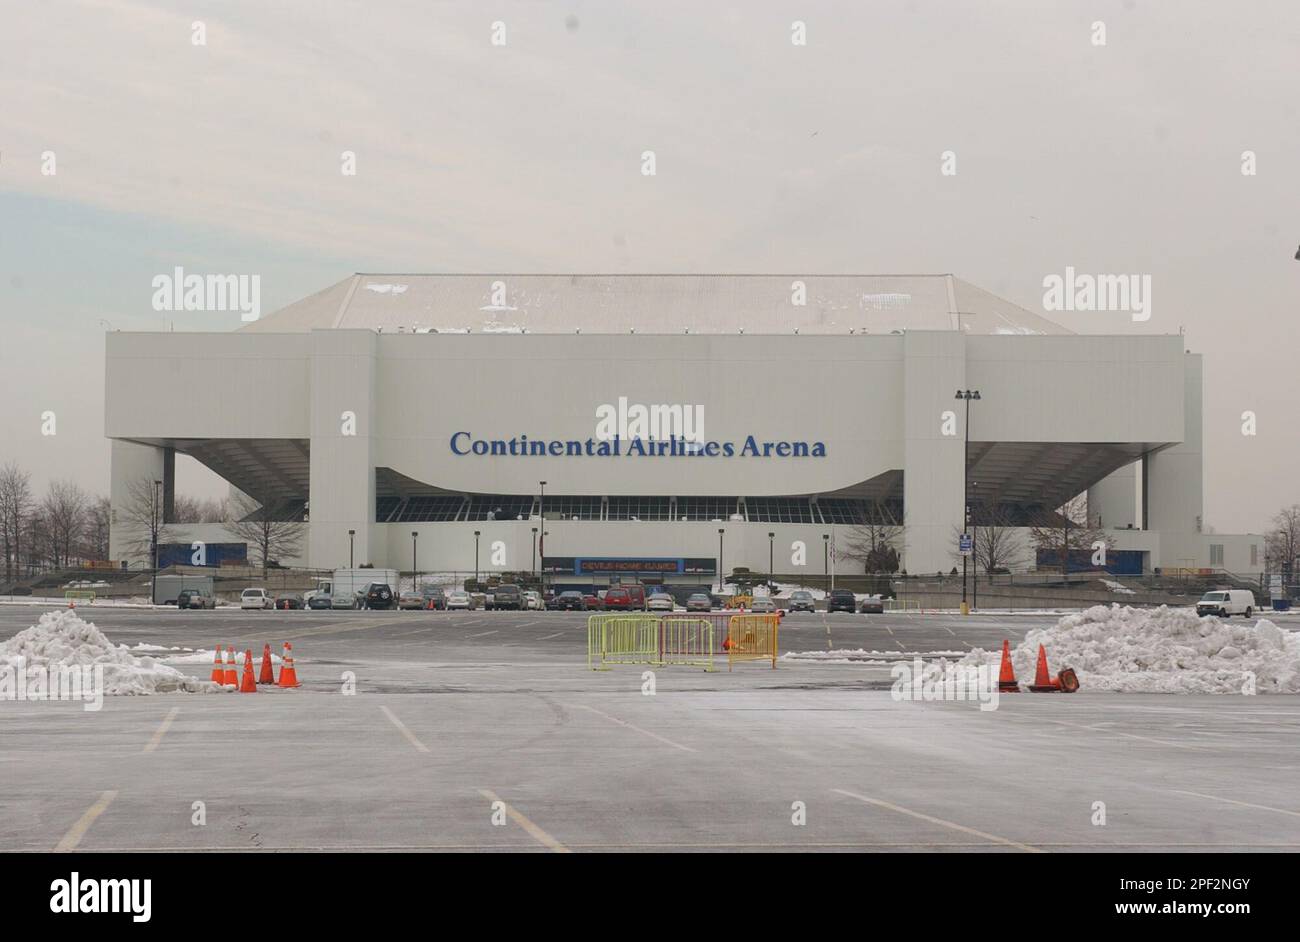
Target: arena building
(677,422)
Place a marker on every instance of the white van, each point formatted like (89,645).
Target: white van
(1225,602)
(255,598)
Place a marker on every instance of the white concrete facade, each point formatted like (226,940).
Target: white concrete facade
(341,419)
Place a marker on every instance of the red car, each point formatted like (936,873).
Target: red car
(618,599)
(593,602)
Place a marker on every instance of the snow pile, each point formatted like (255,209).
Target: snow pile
(62,639)
(1119,587)
(206,657)
(1163,650)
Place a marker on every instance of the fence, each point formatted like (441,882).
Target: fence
(902,605)
(649,639)
(751,638)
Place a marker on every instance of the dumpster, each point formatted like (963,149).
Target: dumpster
(1281,605)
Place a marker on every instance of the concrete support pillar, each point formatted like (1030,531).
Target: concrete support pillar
(132,467)
(169,485)
(934,368)
(1174,484)
(1113,499)
(342,451)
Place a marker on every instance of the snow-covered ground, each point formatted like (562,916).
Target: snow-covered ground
(1161,650)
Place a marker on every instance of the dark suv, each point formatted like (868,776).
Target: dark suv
(571,602)
(378,595)
(841,600)
(509,597)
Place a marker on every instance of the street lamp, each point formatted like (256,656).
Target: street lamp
(534,551)
(414,569)
(967,395)
(351,560)
(476,536)
(541,543)
(974,548)
(770,537)
(826,563)
(721,568)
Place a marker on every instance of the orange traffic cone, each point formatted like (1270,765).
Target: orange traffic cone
(267,676)
(248,685)
(288,676)
(231,677)
(1043,677)
(218,670)
(1007,678)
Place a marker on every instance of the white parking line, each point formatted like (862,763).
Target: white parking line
(404,730)
(1233,801)
(645,732)
(533,830)
(482,633)
(78,830)
(940,821)
(152,744)
(549,637)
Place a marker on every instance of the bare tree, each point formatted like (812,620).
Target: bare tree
(1068,528)
(140,518)
(15,508)
(877,542)
(262,527)
(63,514)
(94,535)
(998,542)
(1282,543)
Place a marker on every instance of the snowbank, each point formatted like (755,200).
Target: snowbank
(62,639)
(1163,650)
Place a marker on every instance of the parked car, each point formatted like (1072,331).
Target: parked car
(699,602)
(459,598)
(379,595)
(410,601)
(195,598)
(320,601)
(1226,602)
(533,600)
(571,602)
(872,605)
(661,602)
(841,600)
(507,597)
(618,599)
(636,596)
(763,606)
(802,601)
(255,598)
(594,602)
(343,600)
(286,601)
(434,598)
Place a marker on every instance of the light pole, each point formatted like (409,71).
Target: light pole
(721,568)
(541,543)
(476,536)
(975,549)
(415,569)
(770,537)
(967,395)
(351,560)
(826,565)
(534,552)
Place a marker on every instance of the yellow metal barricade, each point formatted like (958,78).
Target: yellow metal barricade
(751,638)
(902,605)
(648,639)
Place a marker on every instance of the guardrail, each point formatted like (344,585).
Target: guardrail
(751,638)
(649,639)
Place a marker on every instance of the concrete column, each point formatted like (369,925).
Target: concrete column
(342,450)
(169,485)
(1113,499)
(131,465)
(1174,481)
(934,368)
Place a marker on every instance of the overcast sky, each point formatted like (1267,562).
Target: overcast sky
(771,157)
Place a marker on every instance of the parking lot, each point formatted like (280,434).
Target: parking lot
(485,730)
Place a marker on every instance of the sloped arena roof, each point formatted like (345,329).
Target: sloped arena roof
(654,304)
